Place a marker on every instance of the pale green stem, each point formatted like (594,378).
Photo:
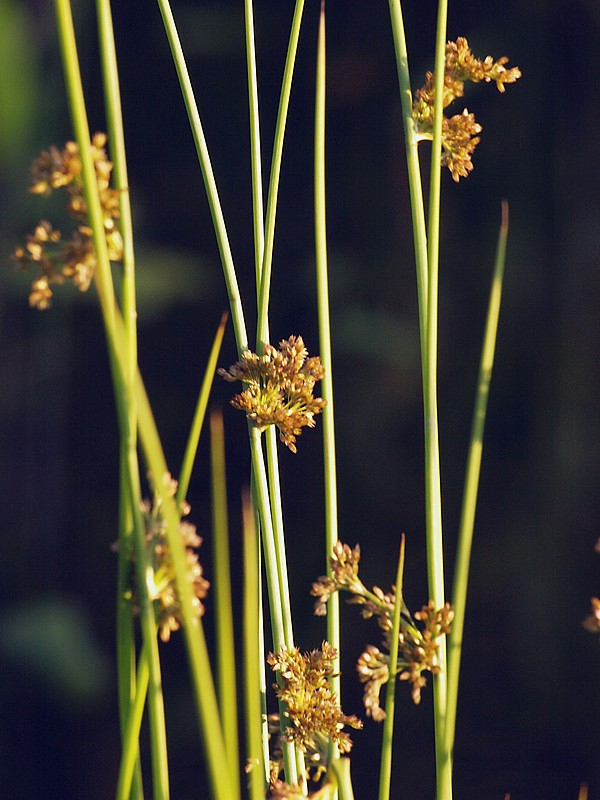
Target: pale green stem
(220,771)
(116,338)
(341,769)
(469,504)
(253,658)
(131,734)
(329,462)
(414,171)
(278,533)
(226,653)
(116,141)
(237,314)
(433,499)
(262,335)
(385,770)
(256,161)
(185,473)
(259,244)
(280,624)
(276,529)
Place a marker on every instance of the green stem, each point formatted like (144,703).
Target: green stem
(278,598)
(237,314)
(433,500)
(185,473)
(253,658)
(469,504)
(112,101)
(219,770)
(385,770)
(255,156)
(331,516)
(414,172)
(226,670)
(117,344)
(131,734)
(262,334)
(341,769)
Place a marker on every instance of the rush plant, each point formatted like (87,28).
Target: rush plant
(305,748)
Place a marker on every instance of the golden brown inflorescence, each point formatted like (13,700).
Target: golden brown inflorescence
(75,259)
(313,716)
(592,622)
(418,645)
(279,388)
(161,577)
(460,133)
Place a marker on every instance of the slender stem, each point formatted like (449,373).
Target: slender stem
(341,769)
(226,670)
(279,613)
(131,733)
(271,213)
(116,338)
(202,681)
(191,448)
(278,533)
(255,155)
(414,172)
(252,657)
(331,516)
(385,770)
(237,314)
(469,504)
(112,100)
(433,500)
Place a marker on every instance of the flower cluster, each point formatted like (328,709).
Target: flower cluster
(162,586)
(592,622)
(460,133)
(280,790)
(418,645)
(75,259)
(313,714)
(279,388)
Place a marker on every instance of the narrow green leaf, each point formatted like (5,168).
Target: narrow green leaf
(226,655)
(191,448)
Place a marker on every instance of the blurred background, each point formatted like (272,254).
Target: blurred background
(530,700)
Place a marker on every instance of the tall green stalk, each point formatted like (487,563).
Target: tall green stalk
(415,185)
(116,341)
(426,240)
(116,138)
(225,644)
(271,211)
(253,658)
(329,461)
(212,194)
(469,503)
(385,769)
(433,499)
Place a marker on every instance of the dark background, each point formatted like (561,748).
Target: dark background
(530,699)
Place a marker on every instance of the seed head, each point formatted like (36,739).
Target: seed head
(279,388)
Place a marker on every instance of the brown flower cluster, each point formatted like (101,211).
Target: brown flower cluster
(460,133)
(279,388)
(592,622)
(73,260)
(418,644)
(313,714)
(280,790)
(163,591)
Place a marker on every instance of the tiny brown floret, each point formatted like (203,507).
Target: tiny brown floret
(279,388)
(460,133)
(73,260)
